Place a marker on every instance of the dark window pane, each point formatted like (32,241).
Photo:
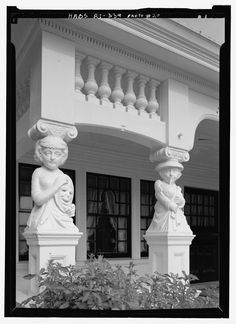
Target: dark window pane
(23,218)
(103,182)
(122,222)
(122,235)
(199,199)
(187,209)
(212,211)
(143,223)
(144,211)
(206,211)
(25,188)
(122,247)
(187,198)
(193,210)
(124,185)
(144,187)
(123,197)
(92,194)
(124,209)
(143,246)
(193,199)
(212,200)
(114,183)
(92,181)
(148,222)
(206,200)
(145,199)
(200,210)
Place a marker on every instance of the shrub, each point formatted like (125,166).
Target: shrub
(99,286)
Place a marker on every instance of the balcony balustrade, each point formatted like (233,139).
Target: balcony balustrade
(113,86)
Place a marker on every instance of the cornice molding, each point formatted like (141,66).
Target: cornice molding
(90,43)
(174,41)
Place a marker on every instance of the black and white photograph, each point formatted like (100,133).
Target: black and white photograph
(117,160)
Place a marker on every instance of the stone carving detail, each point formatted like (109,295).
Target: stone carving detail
(91,86)
(168,153)
(117,93)
(153,105)
(22,98)
(104,91)
(141,102)
(52,191)
(79,82)
(169,216)
(44,128)
(130,97)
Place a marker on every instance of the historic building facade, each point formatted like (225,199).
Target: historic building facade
(126,95)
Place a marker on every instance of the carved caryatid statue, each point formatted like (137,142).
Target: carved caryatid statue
(52,191)
(169,216)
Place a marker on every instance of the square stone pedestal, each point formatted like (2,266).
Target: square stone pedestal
(50,246)
(168,252)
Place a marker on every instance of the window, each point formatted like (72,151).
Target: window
(147,202)
(108,215)
(26,203)
(201,209)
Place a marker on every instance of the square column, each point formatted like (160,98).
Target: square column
(169,252)
(50,246)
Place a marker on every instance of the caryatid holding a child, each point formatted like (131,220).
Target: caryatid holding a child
(52,191)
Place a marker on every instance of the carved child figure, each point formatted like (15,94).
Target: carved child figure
(51,190)
(168,216)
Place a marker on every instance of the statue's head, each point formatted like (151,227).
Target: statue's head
(51,151)
(170,171)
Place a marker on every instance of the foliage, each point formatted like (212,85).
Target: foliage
(98,285)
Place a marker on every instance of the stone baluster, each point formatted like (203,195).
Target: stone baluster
(141,102)
(104,90)
(130,97)
(153,105)
(117,93)
(79,82)
(91,86)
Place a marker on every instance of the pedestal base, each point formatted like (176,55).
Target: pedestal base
(169,252)
(50,246)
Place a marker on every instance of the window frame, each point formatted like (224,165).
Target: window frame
(198,191)
(129,216)
(150,217)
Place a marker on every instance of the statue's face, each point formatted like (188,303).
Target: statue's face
(66,193)
(170,175)
(51,157)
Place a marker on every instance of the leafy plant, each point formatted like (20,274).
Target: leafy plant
(97,285)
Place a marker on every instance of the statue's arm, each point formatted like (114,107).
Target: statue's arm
(71,210)
(180,198)
(163,199)
(41,196)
